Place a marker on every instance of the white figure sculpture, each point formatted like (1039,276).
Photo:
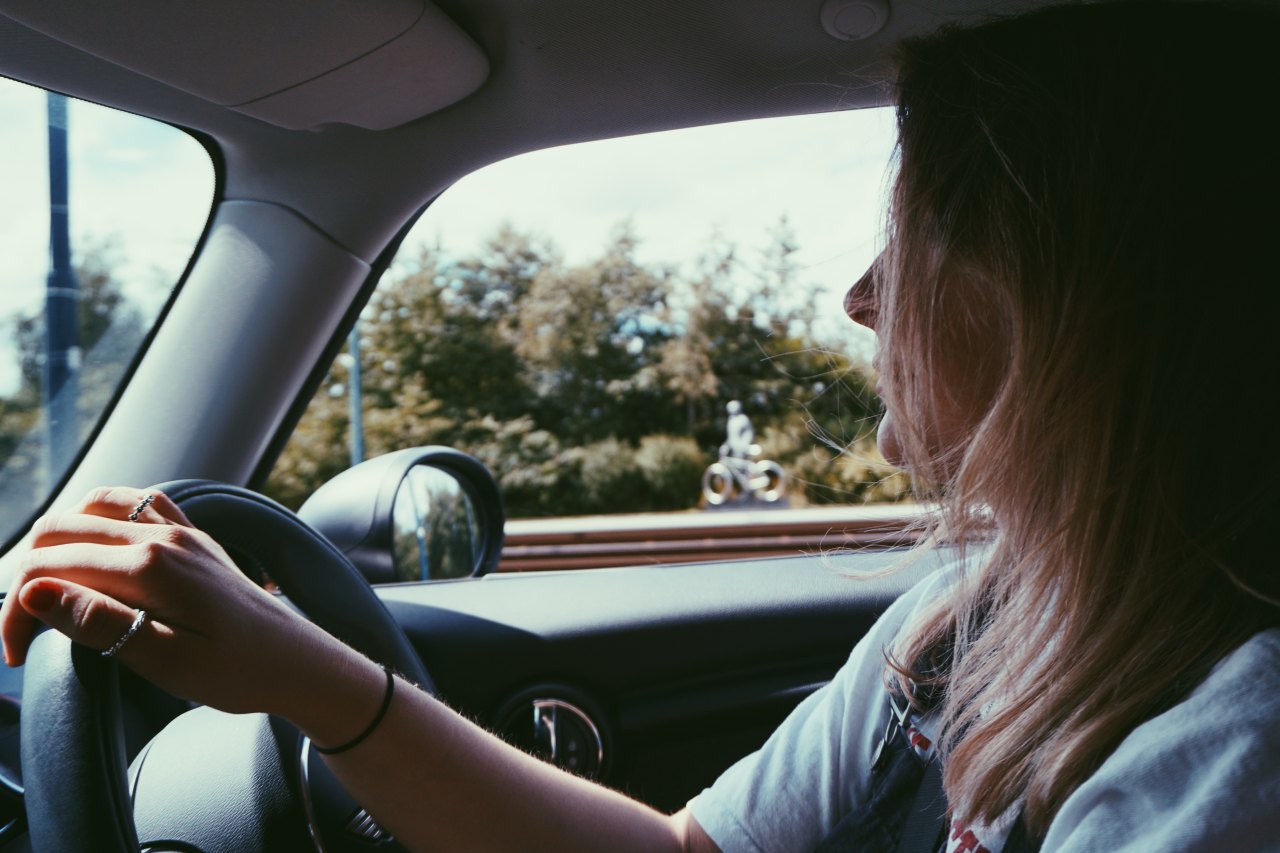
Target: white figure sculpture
(740,442)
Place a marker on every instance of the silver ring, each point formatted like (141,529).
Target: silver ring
(142,504)
(128,635)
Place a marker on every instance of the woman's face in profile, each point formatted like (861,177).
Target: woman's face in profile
(969,352)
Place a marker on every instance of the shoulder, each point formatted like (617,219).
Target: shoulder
(816,766)
(1202,775)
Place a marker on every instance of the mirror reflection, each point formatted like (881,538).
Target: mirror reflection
(436,532)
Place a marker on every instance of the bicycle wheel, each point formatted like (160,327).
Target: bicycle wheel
(772,479)
(717,484)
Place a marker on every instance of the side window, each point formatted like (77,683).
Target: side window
(642,325)
(99,214)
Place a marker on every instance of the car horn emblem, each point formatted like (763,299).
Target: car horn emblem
(364,827)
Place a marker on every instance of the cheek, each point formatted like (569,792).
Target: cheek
(958,398)
(964,350)
(970,363)
(973,381)
(944,436)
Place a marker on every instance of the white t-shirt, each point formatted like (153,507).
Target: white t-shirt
(1204,775)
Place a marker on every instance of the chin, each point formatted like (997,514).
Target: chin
(887,442)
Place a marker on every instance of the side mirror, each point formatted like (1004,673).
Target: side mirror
(423,513)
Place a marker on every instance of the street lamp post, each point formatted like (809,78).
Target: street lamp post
(355,396)
(62,352)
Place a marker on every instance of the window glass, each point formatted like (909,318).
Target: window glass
(99,213)
(641,325)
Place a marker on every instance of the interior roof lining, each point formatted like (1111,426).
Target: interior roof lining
(561,72)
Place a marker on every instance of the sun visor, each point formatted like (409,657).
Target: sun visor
(298,64)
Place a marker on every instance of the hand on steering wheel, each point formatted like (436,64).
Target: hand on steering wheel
(210,634)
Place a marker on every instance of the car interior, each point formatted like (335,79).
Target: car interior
(331,126)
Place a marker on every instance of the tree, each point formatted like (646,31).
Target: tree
(421,324)
(591,338)
(598,386)
(496,282)
(696,308)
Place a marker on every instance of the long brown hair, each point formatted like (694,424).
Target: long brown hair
(1091,188)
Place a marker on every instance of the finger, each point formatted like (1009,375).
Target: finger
(16,627)
(88,617)
(150,506)
(110,502)
(121,571)
(112,569)
(14,621)
(169,510)
(141,573)
(158,507)
(67,527)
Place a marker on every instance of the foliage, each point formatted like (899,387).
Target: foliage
(599,386)
(585,388)
(668,464)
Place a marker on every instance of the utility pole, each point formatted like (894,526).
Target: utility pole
(355,396)
(62,300)
(419,525)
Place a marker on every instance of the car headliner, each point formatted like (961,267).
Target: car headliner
(561,72)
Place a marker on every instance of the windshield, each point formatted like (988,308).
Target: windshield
(649,326)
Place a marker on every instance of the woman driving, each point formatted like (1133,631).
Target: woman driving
(1071,310)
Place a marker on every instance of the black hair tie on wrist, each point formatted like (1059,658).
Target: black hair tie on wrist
(382,712)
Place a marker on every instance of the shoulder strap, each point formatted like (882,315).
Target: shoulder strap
(927,820)
(887,816)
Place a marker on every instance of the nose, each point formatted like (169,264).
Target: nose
(861,303)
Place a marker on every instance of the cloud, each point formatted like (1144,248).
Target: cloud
(825,172)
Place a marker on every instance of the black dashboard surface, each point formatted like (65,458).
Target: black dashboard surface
(684,668)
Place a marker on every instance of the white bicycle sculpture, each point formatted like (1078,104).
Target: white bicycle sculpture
(741,474)
(736,478)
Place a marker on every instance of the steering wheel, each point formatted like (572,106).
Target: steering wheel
(77,791)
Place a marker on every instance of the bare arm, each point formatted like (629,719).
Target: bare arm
(433,779)
(437,781)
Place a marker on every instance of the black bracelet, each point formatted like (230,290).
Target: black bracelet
(382,712)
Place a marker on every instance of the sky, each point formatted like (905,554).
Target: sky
(146,189)
(827,173)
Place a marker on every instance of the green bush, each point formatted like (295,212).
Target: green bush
(609,478)
(672,470)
